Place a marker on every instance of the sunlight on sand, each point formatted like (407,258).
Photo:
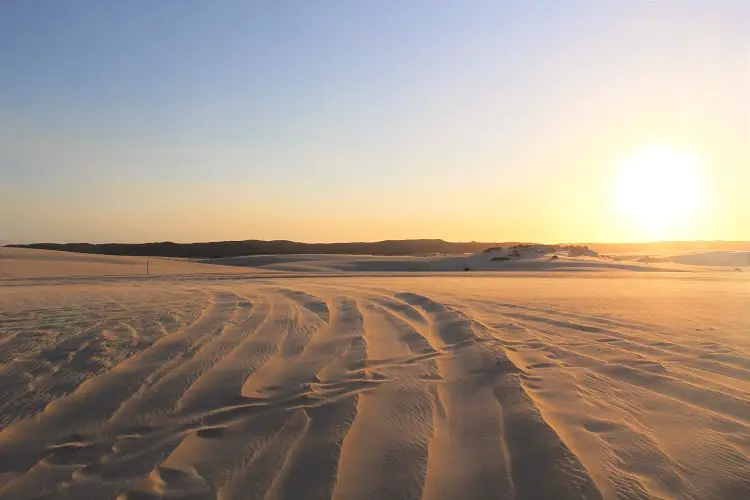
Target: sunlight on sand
(231,382)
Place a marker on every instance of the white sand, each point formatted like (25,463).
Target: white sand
(208,382)
(530,259)
(714,258)
(30,263)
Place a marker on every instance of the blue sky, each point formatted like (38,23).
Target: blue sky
(337,120)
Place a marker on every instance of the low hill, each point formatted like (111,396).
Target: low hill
(218,249)
(226,249)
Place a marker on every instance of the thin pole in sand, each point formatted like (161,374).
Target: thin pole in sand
(146,266)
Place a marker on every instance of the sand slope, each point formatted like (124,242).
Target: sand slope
(30,263)
(714,258)
(606,385)
(533,260)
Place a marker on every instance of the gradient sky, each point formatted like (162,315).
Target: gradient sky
(338,120)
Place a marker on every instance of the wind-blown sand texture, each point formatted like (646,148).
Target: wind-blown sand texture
(608,384)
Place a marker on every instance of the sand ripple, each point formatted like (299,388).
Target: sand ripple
(365,388)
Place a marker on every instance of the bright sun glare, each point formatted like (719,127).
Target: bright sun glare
(658,189)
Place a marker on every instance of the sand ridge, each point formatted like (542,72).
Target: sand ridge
(25,263)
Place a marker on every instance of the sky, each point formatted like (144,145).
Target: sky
(357,121)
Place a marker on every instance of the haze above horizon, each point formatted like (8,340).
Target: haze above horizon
(334,121)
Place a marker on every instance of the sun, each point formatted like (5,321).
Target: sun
(658,189)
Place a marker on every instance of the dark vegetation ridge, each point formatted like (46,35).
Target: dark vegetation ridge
(215,249)
(259,247)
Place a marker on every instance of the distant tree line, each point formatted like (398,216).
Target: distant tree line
(217,249)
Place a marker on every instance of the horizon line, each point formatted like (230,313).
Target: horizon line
(641,242)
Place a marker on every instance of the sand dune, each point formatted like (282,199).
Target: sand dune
(29,263)
(528,386)
(532,259)
(714,258)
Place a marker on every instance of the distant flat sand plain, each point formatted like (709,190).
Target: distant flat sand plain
(347,382)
